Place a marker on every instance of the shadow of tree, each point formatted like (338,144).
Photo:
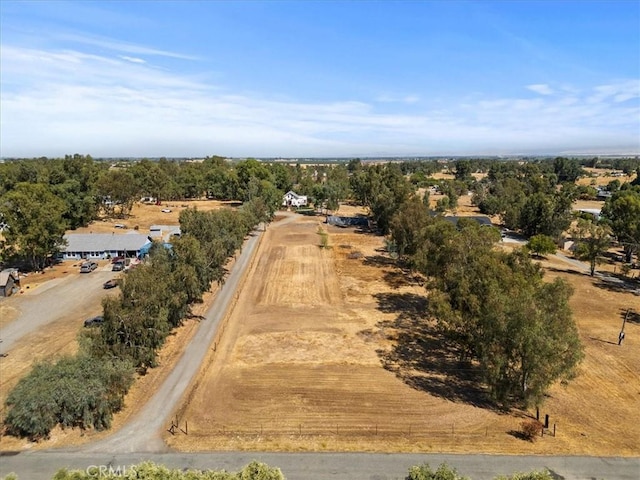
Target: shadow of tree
(379,261)
(422,358)
(615,283)
(632,316)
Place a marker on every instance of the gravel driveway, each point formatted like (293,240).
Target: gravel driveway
(51,301)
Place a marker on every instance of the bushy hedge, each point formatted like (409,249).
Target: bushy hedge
(78,391)
(151,471)
(253,471)
(445,472)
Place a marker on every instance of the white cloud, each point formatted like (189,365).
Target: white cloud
(119,46)
(408,99)
(132,59)
(541,88)
(57,102)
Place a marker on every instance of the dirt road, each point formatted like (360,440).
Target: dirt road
(142,434)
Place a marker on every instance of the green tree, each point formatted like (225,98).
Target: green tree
(622,212)
(592,241)
(499,312)
(567,170)
(35,223)
(542,245)
(151,180)
(548,214)
(251,169)
(78,391)
(117,188)
(406,226)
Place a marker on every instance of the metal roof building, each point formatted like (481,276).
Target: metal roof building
(482,220)
(103,245)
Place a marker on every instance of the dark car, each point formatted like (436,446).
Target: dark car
(90,322)
(111,283)
(117,266)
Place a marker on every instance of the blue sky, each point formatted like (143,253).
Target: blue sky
(314,79)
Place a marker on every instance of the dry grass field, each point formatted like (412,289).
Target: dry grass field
(319,354)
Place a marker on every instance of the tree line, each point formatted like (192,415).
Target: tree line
(496,310)
(85,390)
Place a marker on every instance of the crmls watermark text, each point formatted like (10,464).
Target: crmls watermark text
(103,471)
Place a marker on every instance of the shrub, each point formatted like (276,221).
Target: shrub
(535,475)
(75,392)
(531,429)
(149,470)
(424,472)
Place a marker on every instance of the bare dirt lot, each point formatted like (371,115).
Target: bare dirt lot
(319,354)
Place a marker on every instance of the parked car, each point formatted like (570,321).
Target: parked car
(117,267)
(90,322)
(114,282)
(88,267)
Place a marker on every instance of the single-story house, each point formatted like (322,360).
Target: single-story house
(593,212)
(292,199)
(482,220)
(103,245)
(9,282)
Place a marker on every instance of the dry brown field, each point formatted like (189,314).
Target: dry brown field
(320,354)
(602,177)
(144,215)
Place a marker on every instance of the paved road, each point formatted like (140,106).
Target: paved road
(51,301)
(322,466)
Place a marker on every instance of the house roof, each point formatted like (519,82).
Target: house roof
(102,242)
(159,231)
(4,277)
(294,194)
(478,218)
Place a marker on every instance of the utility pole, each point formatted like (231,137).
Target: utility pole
(621,334)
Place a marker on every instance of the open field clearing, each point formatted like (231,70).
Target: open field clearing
(145,215)
(602,177)
(319,354)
